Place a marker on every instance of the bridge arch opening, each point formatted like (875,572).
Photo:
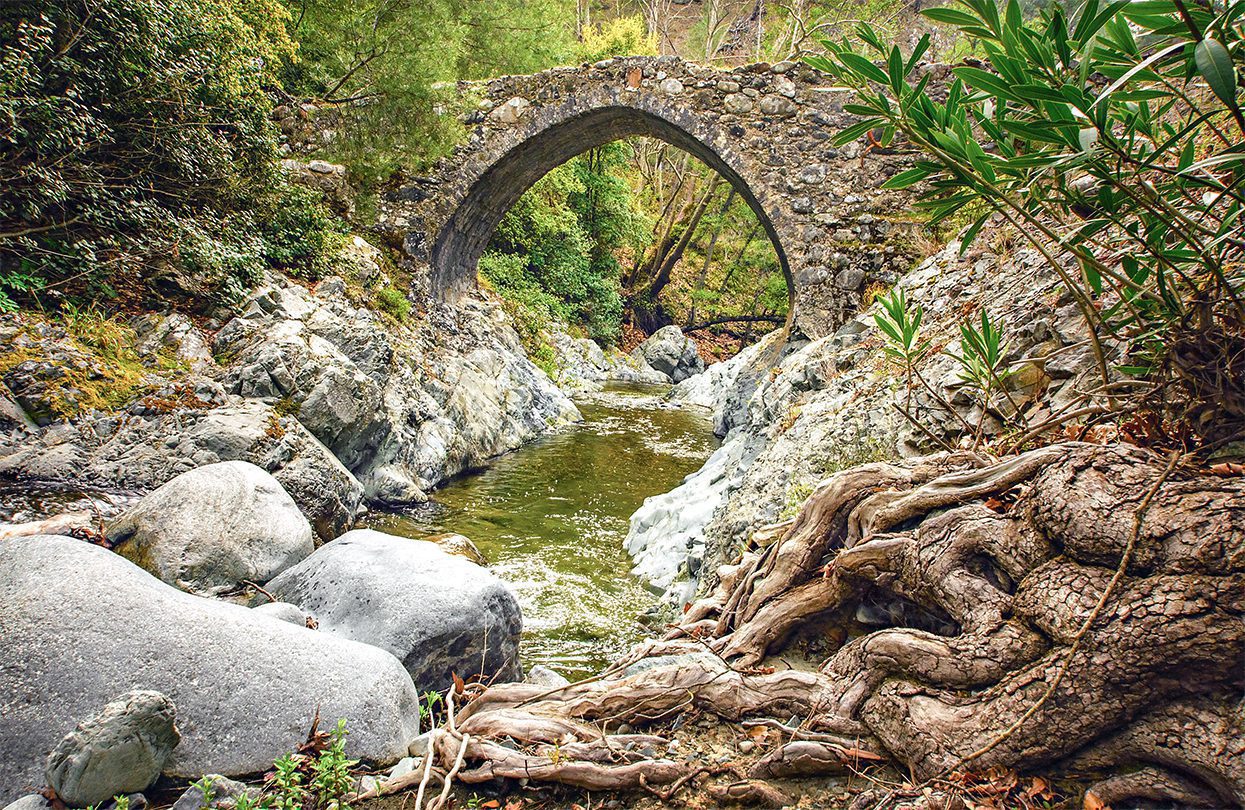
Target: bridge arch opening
(534,151)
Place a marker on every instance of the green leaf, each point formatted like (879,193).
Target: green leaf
(970,234)
(951,17)
(855,131)
(1143,66)
(1038,132)
(864,68)
(887,327)
(871,38)
(820,63)
(1215,65)
(1092,277)
(1013,21)
(1090,23)
(907,178)
(921,47)
(895,69)
(1038,92)
(983,80)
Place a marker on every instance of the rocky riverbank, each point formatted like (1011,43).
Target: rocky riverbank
(241,440)
(342,404)
(355,630)
(793,411)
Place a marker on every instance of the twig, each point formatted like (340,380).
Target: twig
(439,802)
(555,690)
(429,756)
(260,588)
(668,794)
(1056,421)
(922,428)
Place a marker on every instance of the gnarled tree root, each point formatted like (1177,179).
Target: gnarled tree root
(995,572)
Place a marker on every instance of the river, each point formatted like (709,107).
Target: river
(552,516)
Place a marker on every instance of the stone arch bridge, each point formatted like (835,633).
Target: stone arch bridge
(766,129)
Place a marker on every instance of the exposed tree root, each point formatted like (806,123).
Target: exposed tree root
(1075,608)
(752,792)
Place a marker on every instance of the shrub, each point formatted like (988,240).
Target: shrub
(393,303)
(131,131)
(299,234)
(621,36)
(1110,139)
(390,58)
(554,250)
(313,781)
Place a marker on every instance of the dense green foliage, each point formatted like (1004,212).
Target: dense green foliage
(555,251)
(135,140)
(597,238)
(1112,140)
(621,36)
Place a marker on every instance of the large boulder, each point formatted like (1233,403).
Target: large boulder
(438,613)
(118,751)
(672,353)
(213,528)
(80,624)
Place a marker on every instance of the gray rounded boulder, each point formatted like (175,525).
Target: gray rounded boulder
(672,353)
(438,613)
(80,624)
(285,612)
(212,528)
(120,750)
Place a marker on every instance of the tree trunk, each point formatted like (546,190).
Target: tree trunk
(704,268)
(665,263)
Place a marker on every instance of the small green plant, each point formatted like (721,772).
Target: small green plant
(982,365)
(393,303)
(306,781)
(900,324)
(331,772)
(207,791)
(797,494)
(286,407)
(980,358)
(118,803)
(287,783)
(429,705)
(15,284)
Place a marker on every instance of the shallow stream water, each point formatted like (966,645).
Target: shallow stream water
(551,518)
